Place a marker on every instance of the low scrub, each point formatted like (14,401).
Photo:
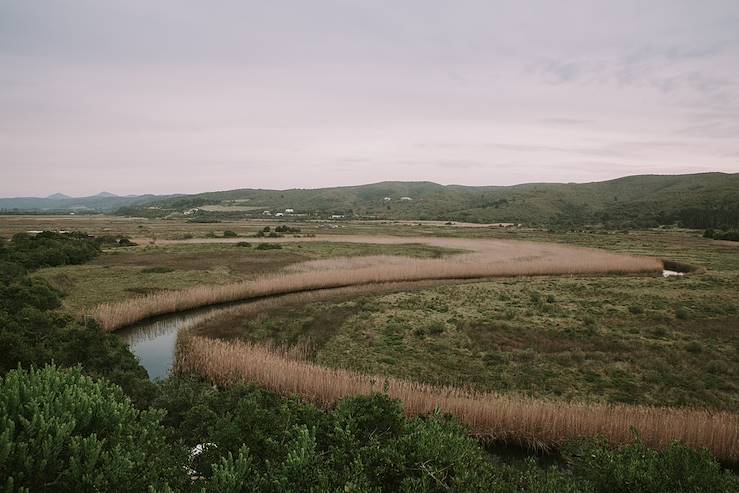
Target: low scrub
(531,422)
(269,246)
(161,269)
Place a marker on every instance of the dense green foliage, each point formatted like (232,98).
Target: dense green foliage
(61,431)
(32,332)
(49,249)
(636,467)
(732,235)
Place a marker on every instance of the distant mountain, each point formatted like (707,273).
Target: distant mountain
(57,196)
(58,202)
(698,200)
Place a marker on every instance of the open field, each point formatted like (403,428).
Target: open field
(533,423)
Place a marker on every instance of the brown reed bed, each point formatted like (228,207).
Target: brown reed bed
(490,258)
(537,423)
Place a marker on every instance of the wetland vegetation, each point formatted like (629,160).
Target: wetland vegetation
(572,342)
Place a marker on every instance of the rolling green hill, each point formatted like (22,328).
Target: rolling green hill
(707,200)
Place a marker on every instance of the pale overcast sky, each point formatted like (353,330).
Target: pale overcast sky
(147,96)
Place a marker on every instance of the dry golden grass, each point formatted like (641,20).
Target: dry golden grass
(529,422)
(490,258)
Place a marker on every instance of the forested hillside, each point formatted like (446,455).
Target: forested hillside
(709,200)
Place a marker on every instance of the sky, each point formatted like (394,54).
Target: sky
(183,96)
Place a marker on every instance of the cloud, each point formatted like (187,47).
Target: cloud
(289,93)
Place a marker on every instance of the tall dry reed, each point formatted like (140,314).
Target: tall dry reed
(492,258)
(530,422)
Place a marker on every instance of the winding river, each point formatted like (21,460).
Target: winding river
(154,340)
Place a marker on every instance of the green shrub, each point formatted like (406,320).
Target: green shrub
(635,467)
(161,269)
(244,244)
(50,249)
(267,443)
(694,347)
(269,246)
(230,234)
(62,431)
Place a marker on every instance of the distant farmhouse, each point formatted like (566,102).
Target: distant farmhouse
(289,211)
(406,198)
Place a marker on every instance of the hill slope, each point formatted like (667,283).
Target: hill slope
(707,200)
(698,200)
(58,202)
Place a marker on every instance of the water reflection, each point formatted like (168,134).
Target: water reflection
(153,341)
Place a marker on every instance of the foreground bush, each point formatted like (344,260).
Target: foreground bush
(262,442)
(62,431)
(259,441)
(635,467)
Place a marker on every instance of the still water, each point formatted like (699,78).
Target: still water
(153,341)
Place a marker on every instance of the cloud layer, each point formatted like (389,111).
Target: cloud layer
(183,96)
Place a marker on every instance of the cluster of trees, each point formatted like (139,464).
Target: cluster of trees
(77,413)
(731,235)
(277,233)
(33,332)
(722,215)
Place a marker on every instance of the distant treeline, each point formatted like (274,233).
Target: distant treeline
(732,235)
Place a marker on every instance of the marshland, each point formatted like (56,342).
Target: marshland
(534,341)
